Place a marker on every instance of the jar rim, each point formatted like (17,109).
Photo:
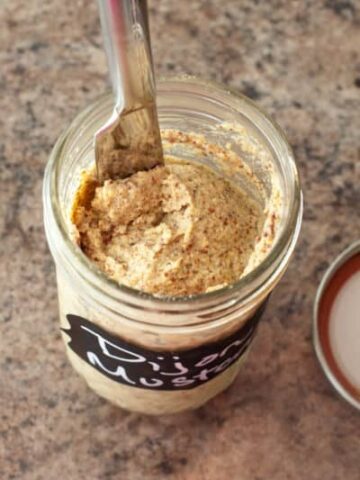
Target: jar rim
(281,250)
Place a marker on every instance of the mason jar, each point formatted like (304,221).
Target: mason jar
(152,354)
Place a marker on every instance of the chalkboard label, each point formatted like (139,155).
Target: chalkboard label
(136,366)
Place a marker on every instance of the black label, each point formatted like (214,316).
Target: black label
(136,366)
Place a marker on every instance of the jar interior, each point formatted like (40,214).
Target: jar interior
(229,122)
(189,106)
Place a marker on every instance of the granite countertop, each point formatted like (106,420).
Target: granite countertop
(281,419)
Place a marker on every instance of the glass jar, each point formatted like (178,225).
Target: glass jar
(153,354)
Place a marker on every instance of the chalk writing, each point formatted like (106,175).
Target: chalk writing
(135,366)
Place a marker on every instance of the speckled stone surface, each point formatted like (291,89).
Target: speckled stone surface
(281,419)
